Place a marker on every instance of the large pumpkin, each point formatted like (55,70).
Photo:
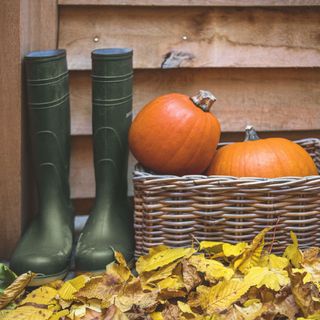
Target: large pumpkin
(265,158)
(175,134)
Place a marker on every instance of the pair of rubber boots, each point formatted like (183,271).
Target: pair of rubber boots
(46,246)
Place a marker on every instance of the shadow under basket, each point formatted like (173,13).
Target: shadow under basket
(180,210)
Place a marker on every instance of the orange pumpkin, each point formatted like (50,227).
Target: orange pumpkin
(265,158)
(175,134)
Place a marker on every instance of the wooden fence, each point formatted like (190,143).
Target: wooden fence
(261,59)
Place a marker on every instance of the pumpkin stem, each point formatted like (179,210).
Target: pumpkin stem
(251,134)
(204,100)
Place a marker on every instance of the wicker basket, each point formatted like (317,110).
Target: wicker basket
(176,211)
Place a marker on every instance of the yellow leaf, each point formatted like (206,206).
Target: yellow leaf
(292,252)
(15,288)
(161,273)
(157,259)
(231,250)
(171,283)
(212,269)
(211,246)
(221,296)
(59,315)
(274,262)
(156,316)
(29,313)
(251,255)
(185,308)
(40,296)
(250,302)
(272,279)
(69,288)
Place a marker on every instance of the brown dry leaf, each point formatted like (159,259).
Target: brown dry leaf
(249,312)
(306,295)
(286,307)
(133,296)
(104,288)
(15,288)
(311,265)
(171,312)
(190,276)
(113,313)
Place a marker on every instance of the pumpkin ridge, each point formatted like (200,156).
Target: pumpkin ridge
(276,160)
(200,146)
(185,143)
(311,167)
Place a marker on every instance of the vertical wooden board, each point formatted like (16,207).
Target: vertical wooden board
(10,131)
(270,99)
(22,24)
(194,37)
(81,168)
(39,26)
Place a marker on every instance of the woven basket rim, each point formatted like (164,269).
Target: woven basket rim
(140,172)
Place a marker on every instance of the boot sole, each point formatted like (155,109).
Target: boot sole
(42,279)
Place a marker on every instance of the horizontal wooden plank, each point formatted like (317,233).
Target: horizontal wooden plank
(221,3)
(82,177)
(269,99)
(194,37)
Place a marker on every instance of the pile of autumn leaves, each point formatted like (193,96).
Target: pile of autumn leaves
(215,281)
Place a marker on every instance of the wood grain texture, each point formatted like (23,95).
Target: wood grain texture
(82,175)
(40,24)
(223,3)
(10,131)
(25,25)
(269,99)
(194,37)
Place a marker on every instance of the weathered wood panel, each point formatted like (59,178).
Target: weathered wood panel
(21,24)
(82,174)
(40,24)
(194,37)
(222,3)
(10,131)
(266,98)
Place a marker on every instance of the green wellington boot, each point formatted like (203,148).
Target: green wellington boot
(46,246)
(110,224)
